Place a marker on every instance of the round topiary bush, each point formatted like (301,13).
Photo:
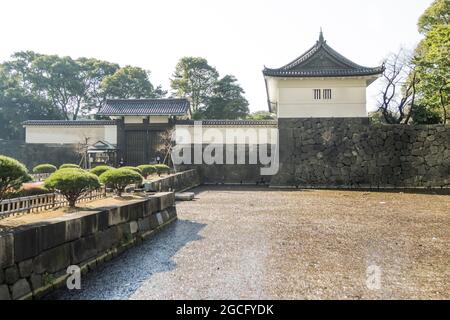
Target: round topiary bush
(12,175)
(132,168)
(147,169)
(44,168)
(161,168)
(68,165)
(98,170)
(120,178)
(72,183)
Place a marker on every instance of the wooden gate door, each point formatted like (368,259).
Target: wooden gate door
(136,148)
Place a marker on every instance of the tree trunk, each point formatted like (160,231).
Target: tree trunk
(72,203)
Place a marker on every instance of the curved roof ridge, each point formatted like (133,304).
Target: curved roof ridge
(337,65)
(301,58)
(341,58)
(147,99)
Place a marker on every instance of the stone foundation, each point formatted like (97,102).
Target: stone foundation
(32,154)
(351,153)
(34,258)
(177,182)
(234,173)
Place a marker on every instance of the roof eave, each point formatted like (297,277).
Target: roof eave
(284,74)
(141,115)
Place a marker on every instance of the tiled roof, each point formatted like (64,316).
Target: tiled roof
(322,61)
(145,107)
(250,123)
(68,122)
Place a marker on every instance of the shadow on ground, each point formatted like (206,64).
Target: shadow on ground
(122,276)
(265,188)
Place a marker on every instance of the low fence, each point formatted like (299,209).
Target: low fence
(41,202)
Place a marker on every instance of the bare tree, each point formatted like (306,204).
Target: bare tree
(82,150)
(166,140)
(399,88)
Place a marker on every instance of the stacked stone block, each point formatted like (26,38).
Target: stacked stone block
(34,258)
(351,153)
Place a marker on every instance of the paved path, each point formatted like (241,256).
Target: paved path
(258,243)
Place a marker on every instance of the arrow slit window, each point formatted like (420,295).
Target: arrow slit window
(317,94)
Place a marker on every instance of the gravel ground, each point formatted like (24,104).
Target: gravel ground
(260,243)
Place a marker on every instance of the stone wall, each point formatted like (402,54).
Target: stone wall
(234,173)
(32,154)
(176,182)
(34,258)
(353,153)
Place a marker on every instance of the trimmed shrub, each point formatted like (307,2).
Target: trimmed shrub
(147,169)
(44,168)
(68,165)
(120,178)
(161,168)
(132,168)
(28,192)
(72,183)
(12,175)
(98,170)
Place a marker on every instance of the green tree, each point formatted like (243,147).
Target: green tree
(433,62)
(18,104)
(194,79)
(92,73)
(261,115)
(438,13)
(227,101)
(59,78)
(71,87)
(130,83)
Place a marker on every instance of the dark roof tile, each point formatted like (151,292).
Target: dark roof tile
(250,123)
(145,107)
(322,61)
(68,122)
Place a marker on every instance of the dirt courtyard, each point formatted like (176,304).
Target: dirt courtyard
(261,243)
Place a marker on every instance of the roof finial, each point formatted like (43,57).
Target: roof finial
(321,39)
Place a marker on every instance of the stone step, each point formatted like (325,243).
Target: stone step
(184,196)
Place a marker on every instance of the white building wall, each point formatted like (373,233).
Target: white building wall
(133,119)
(188,134)
(295,97)
(70,134)
(159,119)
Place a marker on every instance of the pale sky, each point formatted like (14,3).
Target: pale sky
(236,36)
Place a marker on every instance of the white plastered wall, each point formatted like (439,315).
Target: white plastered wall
(188,134)
(70,134)
(295,97)
(159,119)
